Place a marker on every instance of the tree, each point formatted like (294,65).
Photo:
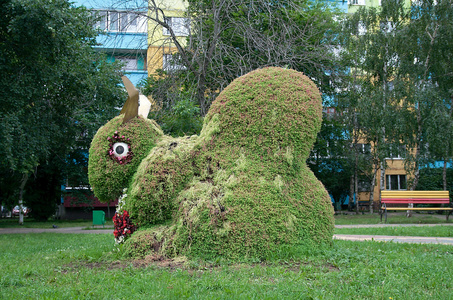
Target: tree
(230,38)
(427,69)
(329,159)
(403,59)
(178,114)
(56,88)
(371,39)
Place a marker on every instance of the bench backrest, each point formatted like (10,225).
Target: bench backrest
(421,197)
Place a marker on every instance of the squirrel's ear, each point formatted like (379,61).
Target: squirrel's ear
(144,106)
(130,108)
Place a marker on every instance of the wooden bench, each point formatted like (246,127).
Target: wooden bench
(415,197)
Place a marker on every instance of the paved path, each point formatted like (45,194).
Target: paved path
(348,237)
(98,230)
(392,225)
(396,239)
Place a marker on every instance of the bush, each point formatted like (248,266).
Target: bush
(431,180)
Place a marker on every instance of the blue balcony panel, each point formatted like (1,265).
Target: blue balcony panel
(122,41)
(136,76)
(111,4)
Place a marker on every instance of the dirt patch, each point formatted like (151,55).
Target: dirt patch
(150,260)
(161,262)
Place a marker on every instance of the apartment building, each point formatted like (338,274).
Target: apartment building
(124,35)
(161,46)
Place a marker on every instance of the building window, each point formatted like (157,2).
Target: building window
(395,182)
(119,21)
(128,21)
(356,2)
(131,62)
(363,186)
(387,27)
(363,148)
(361,28)
(171,63)
(180,26)
(397,151)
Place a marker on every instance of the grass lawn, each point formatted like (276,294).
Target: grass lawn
(434,231)
(31,223)
(392,218)
(89,266)
(395,218)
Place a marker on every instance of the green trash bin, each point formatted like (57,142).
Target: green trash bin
(98,217)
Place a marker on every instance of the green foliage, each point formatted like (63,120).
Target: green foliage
(43,192)
(426,231)
(62,81)
(329,159)
(178,114)
(431,179)
(401,72)
(9,183)
(183,119)
(56,91)
(239,189)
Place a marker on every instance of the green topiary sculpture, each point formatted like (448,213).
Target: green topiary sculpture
(239,189)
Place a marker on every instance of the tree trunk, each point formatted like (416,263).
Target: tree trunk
(356,183)
(381,180)
(373,184)
(21,195)
(356,163)
(447,152)
(351,193)
(416,165)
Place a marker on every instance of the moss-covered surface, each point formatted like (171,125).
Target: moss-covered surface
(242,188)
(107,177)
(158,180)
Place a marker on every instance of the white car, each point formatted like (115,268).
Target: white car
(15,211)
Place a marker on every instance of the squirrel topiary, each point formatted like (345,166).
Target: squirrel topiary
(240,189)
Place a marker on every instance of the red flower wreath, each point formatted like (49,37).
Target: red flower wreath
(120,149)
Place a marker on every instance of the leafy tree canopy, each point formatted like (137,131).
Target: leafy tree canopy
(55,88)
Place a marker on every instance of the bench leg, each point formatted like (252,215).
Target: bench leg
(409,212)
(383,211)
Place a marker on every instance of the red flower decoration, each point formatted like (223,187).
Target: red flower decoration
(123,225)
